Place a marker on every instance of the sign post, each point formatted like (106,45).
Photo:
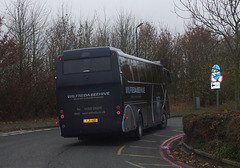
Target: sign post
(216,79)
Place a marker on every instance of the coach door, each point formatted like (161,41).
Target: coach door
(156,103)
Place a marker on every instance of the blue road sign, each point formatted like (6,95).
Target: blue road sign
(216,72)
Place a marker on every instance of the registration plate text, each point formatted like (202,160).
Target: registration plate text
(91,120)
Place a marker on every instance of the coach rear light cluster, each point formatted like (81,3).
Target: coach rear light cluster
(62,114)
(118,110)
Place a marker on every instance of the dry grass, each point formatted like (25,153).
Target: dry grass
(186,104)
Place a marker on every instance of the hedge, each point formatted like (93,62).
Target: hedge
(217,133)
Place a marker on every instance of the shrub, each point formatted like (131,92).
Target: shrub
(218,133)
(33,99)
(233,137)
(186,119)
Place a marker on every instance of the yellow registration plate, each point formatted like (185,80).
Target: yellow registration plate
(91,120)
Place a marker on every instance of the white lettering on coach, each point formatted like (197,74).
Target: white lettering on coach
(86,95)
(130,90)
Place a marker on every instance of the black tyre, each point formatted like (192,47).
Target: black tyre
(139,130)
(164,120)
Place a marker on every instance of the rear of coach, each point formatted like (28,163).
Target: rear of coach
(88,87)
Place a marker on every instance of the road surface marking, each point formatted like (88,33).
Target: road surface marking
(162,135)
(20,132)
(168,143)
(156,165)
(120,150)
(149,141)
(142,156)
(178,130)
(133,164)
(143,147)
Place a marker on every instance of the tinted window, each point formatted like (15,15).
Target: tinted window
(157,72)
(134,64)
(154,73)
(142,72)
(87,65)
(160,74)
(125,68)
(149,73)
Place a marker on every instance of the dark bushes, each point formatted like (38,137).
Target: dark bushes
(217,133)
(30,99)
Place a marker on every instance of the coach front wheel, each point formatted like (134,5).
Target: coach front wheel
(163,121)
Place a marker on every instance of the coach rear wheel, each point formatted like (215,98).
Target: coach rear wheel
(139,130)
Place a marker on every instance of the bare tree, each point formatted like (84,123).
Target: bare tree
(222,17)
(61,35)
(123,33)
(26,23)
(102,35)
(66,34)
(198,55)
(165,47)
(85,32)
(8,58)
(148,42)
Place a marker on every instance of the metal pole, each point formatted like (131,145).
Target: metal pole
(136,43)
(217,99)
(137,38)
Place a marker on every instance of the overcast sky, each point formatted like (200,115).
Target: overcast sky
(158,12)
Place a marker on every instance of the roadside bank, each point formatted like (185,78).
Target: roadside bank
(28,125)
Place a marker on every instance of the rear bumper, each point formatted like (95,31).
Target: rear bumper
(104,125)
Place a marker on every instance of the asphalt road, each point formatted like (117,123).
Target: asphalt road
(46,148)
